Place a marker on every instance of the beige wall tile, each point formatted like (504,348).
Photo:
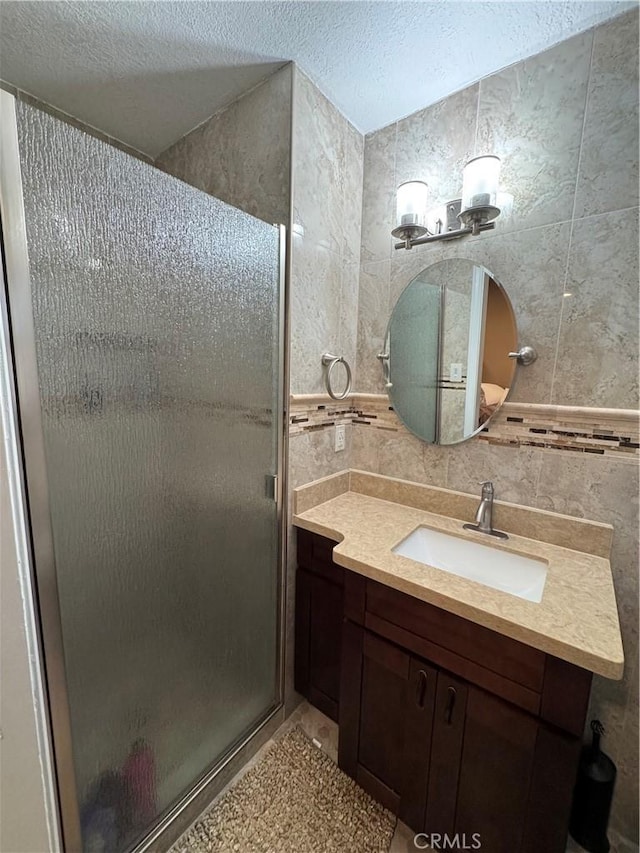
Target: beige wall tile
(242,154)
(607,490)
(348,339)
(406,457)
(378,194)
(608,176)
(598,345)
(316,287)
(514,471)
(373,301)
(318,166)
(353,155)
(602,490)
(531,116)
(365,447)
(434,144)
(311,456)
(327,198)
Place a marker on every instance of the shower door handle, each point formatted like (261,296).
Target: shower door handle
(271,481)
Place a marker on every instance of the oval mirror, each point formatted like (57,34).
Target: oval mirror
(446,358)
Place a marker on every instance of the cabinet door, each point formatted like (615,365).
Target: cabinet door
(385,738)
(417,743)
(384,696)
(495,772)
(318,628)
(324,644)
(446,752)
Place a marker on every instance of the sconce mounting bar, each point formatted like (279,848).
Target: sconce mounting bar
(408,243)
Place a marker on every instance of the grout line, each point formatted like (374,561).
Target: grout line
(607,213)
(572,223)
(538,478)
(560,319)
(584,124)
(475,138)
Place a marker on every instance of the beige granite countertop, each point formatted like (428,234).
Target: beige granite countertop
(577,618)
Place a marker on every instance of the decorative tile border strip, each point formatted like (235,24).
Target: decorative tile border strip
(604,432)
(581,429)
(310,412)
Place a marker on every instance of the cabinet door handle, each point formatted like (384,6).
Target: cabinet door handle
(451,701)
(421,688)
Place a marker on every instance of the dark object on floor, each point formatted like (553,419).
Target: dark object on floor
(593,795)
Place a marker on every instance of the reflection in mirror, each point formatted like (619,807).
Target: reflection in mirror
(447,351)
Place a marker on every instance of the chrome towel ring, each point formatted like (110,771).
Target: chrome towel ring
(329,362)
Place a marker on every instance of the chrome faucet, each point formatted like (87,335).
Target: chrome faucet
(484,513)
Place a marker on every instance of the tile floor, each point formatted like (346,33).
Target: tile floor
(324,730)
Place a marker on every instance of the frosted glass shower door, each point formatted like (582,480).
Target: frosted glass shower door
(156,314)
(413,345)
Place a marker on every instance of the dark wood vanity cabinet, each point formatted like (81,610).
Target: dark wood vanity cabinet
(452,726)
(318,627)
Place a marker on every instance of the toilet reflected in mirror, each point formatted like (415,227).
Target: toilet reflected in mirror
(446,361)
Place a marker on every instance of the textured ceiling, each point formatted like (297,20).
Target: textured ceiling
(148,72)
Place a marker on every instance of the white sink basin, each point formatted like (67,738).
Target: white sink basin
(521,576)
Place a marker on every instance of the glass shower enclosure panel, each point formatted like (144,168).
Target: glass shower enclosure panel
(156,312)
(413,345)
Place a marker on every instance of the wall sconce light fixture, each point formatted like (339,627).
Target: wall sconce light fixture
(471,214)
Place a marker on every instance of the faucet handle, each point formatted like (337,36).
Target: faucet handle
(487,486)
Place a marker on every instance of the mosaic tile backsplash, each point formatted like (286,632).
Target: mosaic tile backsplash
(603,432)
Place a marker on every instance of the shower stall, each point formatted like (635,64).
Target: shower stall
(143,323)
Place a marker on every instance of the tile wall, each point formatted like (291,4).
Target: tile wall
(327,168)
(327,205)
(565,124)
(544,117)
(242,154)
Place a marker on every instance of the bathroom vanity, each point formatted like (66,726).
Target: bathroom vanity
(460,707)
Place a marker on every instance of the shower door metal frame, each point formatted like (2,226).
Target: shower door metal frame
(36,499)
(17,317)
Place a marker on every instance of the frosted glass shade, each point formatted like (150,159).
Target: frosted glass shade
(480,186)
(411,204)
